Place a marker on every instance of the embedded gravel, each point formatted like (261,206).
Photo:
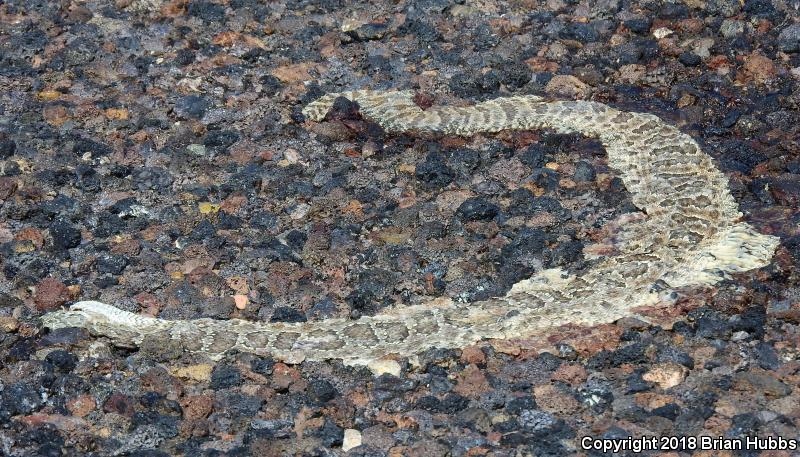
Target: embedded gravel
(153,155)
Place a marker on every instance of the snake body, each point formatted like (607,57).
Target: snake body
(691,236)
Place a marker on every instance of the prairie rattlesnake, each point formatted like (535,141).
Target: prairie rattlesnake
(691,237)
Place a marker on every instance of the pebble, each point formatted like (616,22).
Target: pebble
(567,86)
(352,439)
(477,209)
(666,375)
(199,372)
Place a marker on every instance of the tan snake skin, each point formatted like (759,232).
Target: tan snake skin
(691,237)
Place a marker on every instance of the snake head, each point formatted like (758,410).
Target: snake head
(85,314)
(65,319)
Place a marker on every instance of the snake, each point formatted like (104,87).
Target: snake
(689,235)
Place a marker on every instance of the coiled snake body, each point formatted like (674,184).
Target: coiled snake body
(691,237)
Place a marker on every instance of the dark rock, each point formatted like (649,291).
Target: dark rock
(392,383)
(96,149)
(464,85)
(535,155)
(69,335)
(87,178)
(627,53)
(566,254)
(192,106)
(527,242)
(743,425)
(632,353)
(673,11)
(580,31)
(538,421)
(296,239)
(752,321)
(450,404)
(111,264)
(109,224)
(584,172)
(514,74)
(203,231)
(330,434)
(520,404)
(761,9)
(206,10)
(464,160)
(785,189)
(220,140)
(434,172)
(635,382)
(262,365)
(184,57)
(484,38)
(689,59)
(321,390)
(488,83)
(323,309)
(545,178)
(595,395)
(673,354)
(343,109)
(152,178)
(224,376)
(7,148)
(62,360)
(65,235)
(287,314)
(20,398)
(763,382)
(709,324)
(9,301)
(369,31)
(767,356)
(683,328)
(477,209)
(789,38)
(640,25)
(670,411)
(422,30)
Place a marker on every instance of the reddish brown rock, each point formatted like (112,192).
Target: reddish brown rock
(551,399)
(757,69)
(472,382)
(30,234)
(473,355)
(50,294)
(571,373)
(120,404)
(197,406)
(81,406)
(8,186)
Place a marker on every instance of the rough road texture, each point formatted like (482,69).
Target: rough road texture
(690,237)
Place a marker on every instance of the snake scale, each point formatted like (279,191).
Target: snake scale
(691,236)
